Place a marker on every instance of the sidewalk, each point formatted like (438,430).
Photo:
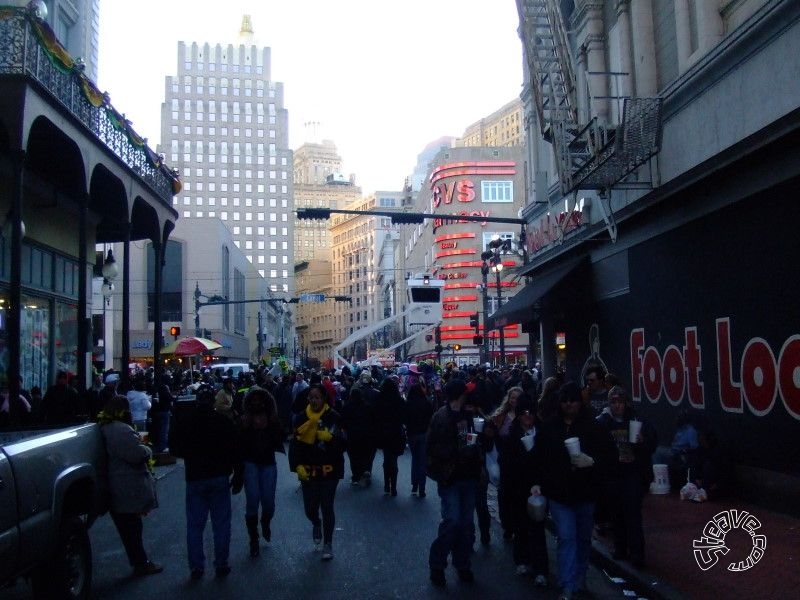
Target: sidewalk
(672,573)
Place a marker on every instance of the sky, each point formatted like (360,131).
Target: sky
(383,79)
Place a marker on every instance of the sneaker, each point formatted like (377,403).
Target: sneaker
(148,568)
(523,569)
(327,552)
(316,534)
(437,577)
(197,574)
(466,576)
(223,571)
(540,581)
(414,490)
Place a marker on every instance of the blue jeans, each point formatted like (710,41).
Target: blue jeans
(457,529)
(203,497)
(574,523)
(259,488)
(419,468)
(161,429)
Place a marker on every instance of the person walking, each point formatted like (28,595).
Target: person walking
(358,424)
(209,444)
(419,410)
(391,434)
(316,454)
(262,436)
(628,476)
(455,463)
(571,483)
(130,483)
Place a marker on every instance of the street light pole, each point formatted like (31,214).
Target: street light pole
(485,289)
(497,268)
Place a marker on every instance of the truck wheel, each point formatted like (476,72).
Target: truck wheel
(68,574)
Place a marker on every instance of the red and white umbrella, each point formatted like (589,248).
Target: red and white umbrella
(189,346)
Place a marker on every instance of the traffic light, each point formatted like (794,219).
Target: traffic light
(456,347)
(477,340)
(175,331)
(473,321)
(438,348)
(437,332)
(408,218)
(314,213)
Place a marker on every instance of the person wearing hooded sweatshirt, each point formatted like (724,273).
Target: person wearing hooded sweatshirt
(316,454)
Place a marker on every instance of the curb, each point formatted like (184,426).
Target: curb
(655,588)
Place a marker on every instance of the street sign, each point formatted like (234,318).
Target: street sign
(312,297)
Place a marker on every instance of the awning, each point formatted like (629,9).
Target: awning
(520,308)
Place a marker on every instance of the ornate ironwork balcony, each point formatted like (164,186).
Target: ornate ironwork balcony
(31,49)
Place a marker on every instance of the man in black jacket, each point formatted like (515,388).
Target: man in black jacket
(455,461)
(209,444)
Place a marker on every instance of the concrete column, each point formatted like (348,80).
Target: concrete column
(626,82)
(645,76)
(683,35)
(710,28)
(588,22)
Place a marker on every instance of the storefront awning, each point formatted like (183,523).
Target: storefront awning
(520,308)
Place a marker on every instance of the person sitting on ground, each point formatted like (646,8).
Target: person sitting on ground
(708,468)
(677,456)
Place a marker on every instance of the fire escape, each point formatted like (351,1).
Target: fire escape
(591,155)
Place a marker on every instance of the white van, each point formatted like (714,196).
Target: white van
(229,369)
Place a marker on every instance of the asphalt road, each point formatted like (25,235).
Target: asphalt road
(380,546)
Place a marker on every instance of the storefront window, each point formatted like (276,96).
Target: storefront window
(65,337)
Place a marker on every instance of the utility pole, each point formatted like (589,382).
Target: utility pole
(260,344)
(500,328)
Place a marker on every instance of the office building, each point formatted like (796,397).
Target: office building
(225,128)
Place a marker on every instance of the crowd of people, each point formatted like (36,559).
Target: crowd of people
(580,447)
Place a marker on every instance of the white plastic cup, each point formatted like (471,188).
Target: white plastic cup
(527,441)
(472,439)
(477,424)
(634,429)
(573,445)
(144,436)
(537,508)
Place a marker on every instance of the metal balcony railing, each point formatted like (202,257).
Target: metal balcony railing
(30,49)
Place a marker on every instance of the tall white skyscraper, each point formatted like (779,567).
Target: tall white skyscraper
(224,126)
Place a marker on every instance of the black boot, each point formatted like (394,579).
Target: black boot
(265,530)
(252,530)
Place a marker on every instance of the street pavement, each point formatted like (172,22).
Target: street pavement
(380,545)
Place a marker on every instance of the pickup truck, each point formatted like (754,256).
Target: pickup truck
(51,491)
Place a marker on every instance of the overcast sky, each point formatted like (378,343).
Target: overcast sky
(383,78)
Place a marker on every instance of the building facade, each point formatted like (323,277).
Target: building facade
(665,249)
(504,127)
(358,249)
(201,256)
(224,126)
(76,24)
(74,175)
(318,183)
(476,182)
